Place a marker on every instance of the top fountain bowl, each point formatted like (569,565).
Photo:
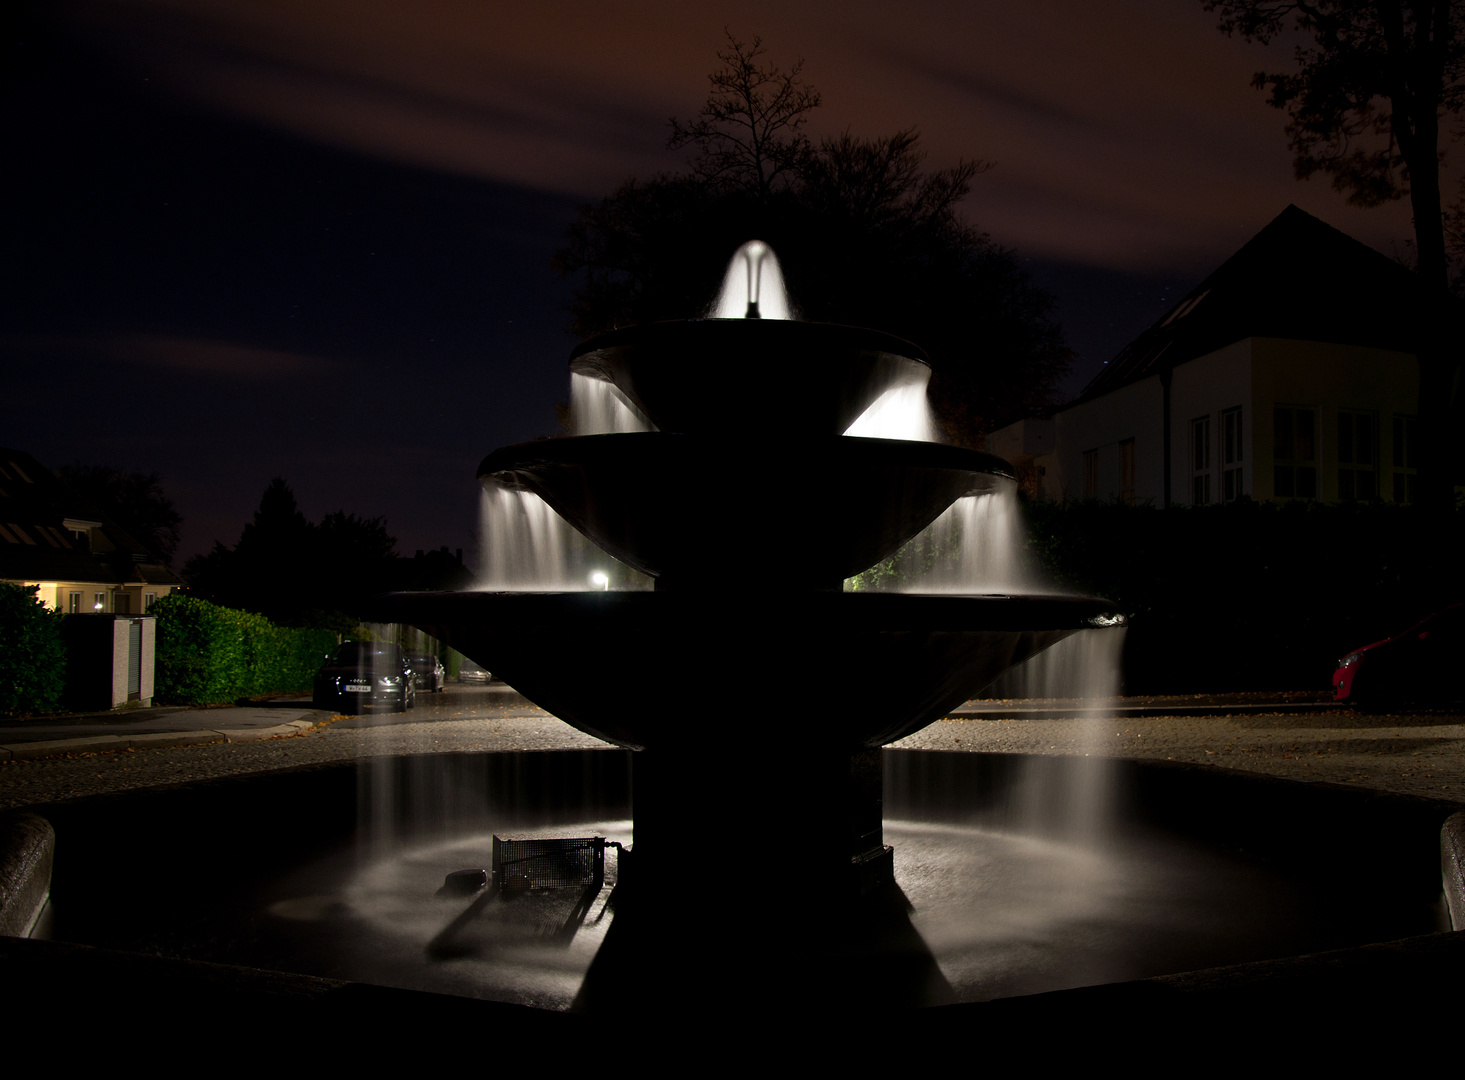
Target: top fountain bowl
(729,375)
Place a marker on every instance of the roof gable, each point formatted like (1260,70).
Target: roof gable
(1298,279)
(36,544)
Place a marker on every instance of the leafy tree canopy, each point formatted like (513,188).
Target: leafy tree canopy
(134,500)
(864,232)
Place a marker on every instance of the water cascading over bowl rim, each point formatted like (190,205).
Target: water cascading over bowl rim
(702,375)
(783,513)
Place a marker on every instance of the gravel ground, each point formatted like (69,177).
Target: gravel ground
(27,782)
(1421,754)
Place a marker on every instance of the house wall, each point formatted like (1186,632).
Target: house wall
(57,594)
(137,597)
(1131,412)
(1329,379)
(1206,387)
(1256,375)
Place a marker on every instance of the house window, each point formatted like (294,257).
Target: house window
(1358,454)
(1200,461)
(1294,452)
(73,603)
(1231,454)
(1090,474)
(148,600)
(1406,457)
(1126,472)
(99,602)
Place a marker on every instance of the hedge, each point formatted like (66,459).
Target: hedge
(32,653)
(209,655)
(1251,596)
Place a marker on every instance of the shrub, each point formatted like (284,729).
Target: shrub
(32,653)
(209,655)
(1251,596)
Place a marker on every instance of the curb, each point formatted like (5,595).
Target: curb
(101,744)
(27,848)
(1452,867)
(1136,711)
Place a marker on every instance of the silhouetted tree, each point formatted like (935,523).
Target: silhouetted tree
(864,232)
(1375,86)
(353,559)
(749,134)
(134,500)
(294,572)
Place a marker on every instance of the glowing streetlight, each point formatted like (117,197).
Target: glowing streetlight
(599,578)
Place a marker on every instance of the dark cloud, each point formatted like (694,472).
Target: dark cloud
(312,238)
(191,356)
(985,91)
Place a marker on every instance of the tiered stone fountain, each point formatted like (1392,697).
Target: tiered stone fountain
(754,694)
(755,691)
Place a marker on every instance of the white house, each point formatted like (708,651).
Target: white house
(78,559)
(1288,373)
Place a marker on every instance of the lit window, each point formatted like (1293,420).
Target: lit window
(1294,452)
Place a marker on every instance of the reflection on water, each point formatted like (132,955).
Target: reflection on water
(1003,912)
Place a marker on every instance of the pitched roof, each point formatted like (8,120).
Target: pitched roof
(1298,278)
(36,545)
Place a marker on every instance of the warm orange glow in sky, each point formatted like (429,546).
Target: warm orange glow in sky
(1126,134)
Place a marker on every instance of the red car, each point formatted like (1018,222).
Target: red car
(1421,664)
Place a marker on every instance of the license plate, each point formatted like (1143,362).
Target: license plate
(357,688)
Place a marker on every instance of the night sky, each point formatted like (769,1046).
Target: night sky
(311,238)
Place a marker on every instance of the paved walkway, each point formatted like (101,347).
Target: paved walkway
(154,728)
(170,726)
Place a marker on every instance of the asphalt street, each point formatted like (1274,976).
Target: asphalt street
(1420,753)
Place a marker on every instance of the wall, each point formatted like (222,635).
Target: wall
(1207,386)
(1131,412)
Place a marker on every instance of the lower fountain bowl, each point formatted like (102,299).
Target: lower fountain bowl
(651,669)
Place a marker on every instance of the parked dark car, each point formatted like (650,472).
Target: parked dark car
(1421,664)
(430,673)
(365,673)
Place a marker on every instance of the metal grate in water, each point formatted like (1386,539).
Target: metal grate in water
(577,862)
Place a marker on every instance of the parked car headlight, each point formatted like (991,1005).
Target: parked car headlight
(391,680)
(1351,658)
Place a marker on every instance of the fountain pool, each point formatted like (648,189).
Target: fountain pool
(994,902)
